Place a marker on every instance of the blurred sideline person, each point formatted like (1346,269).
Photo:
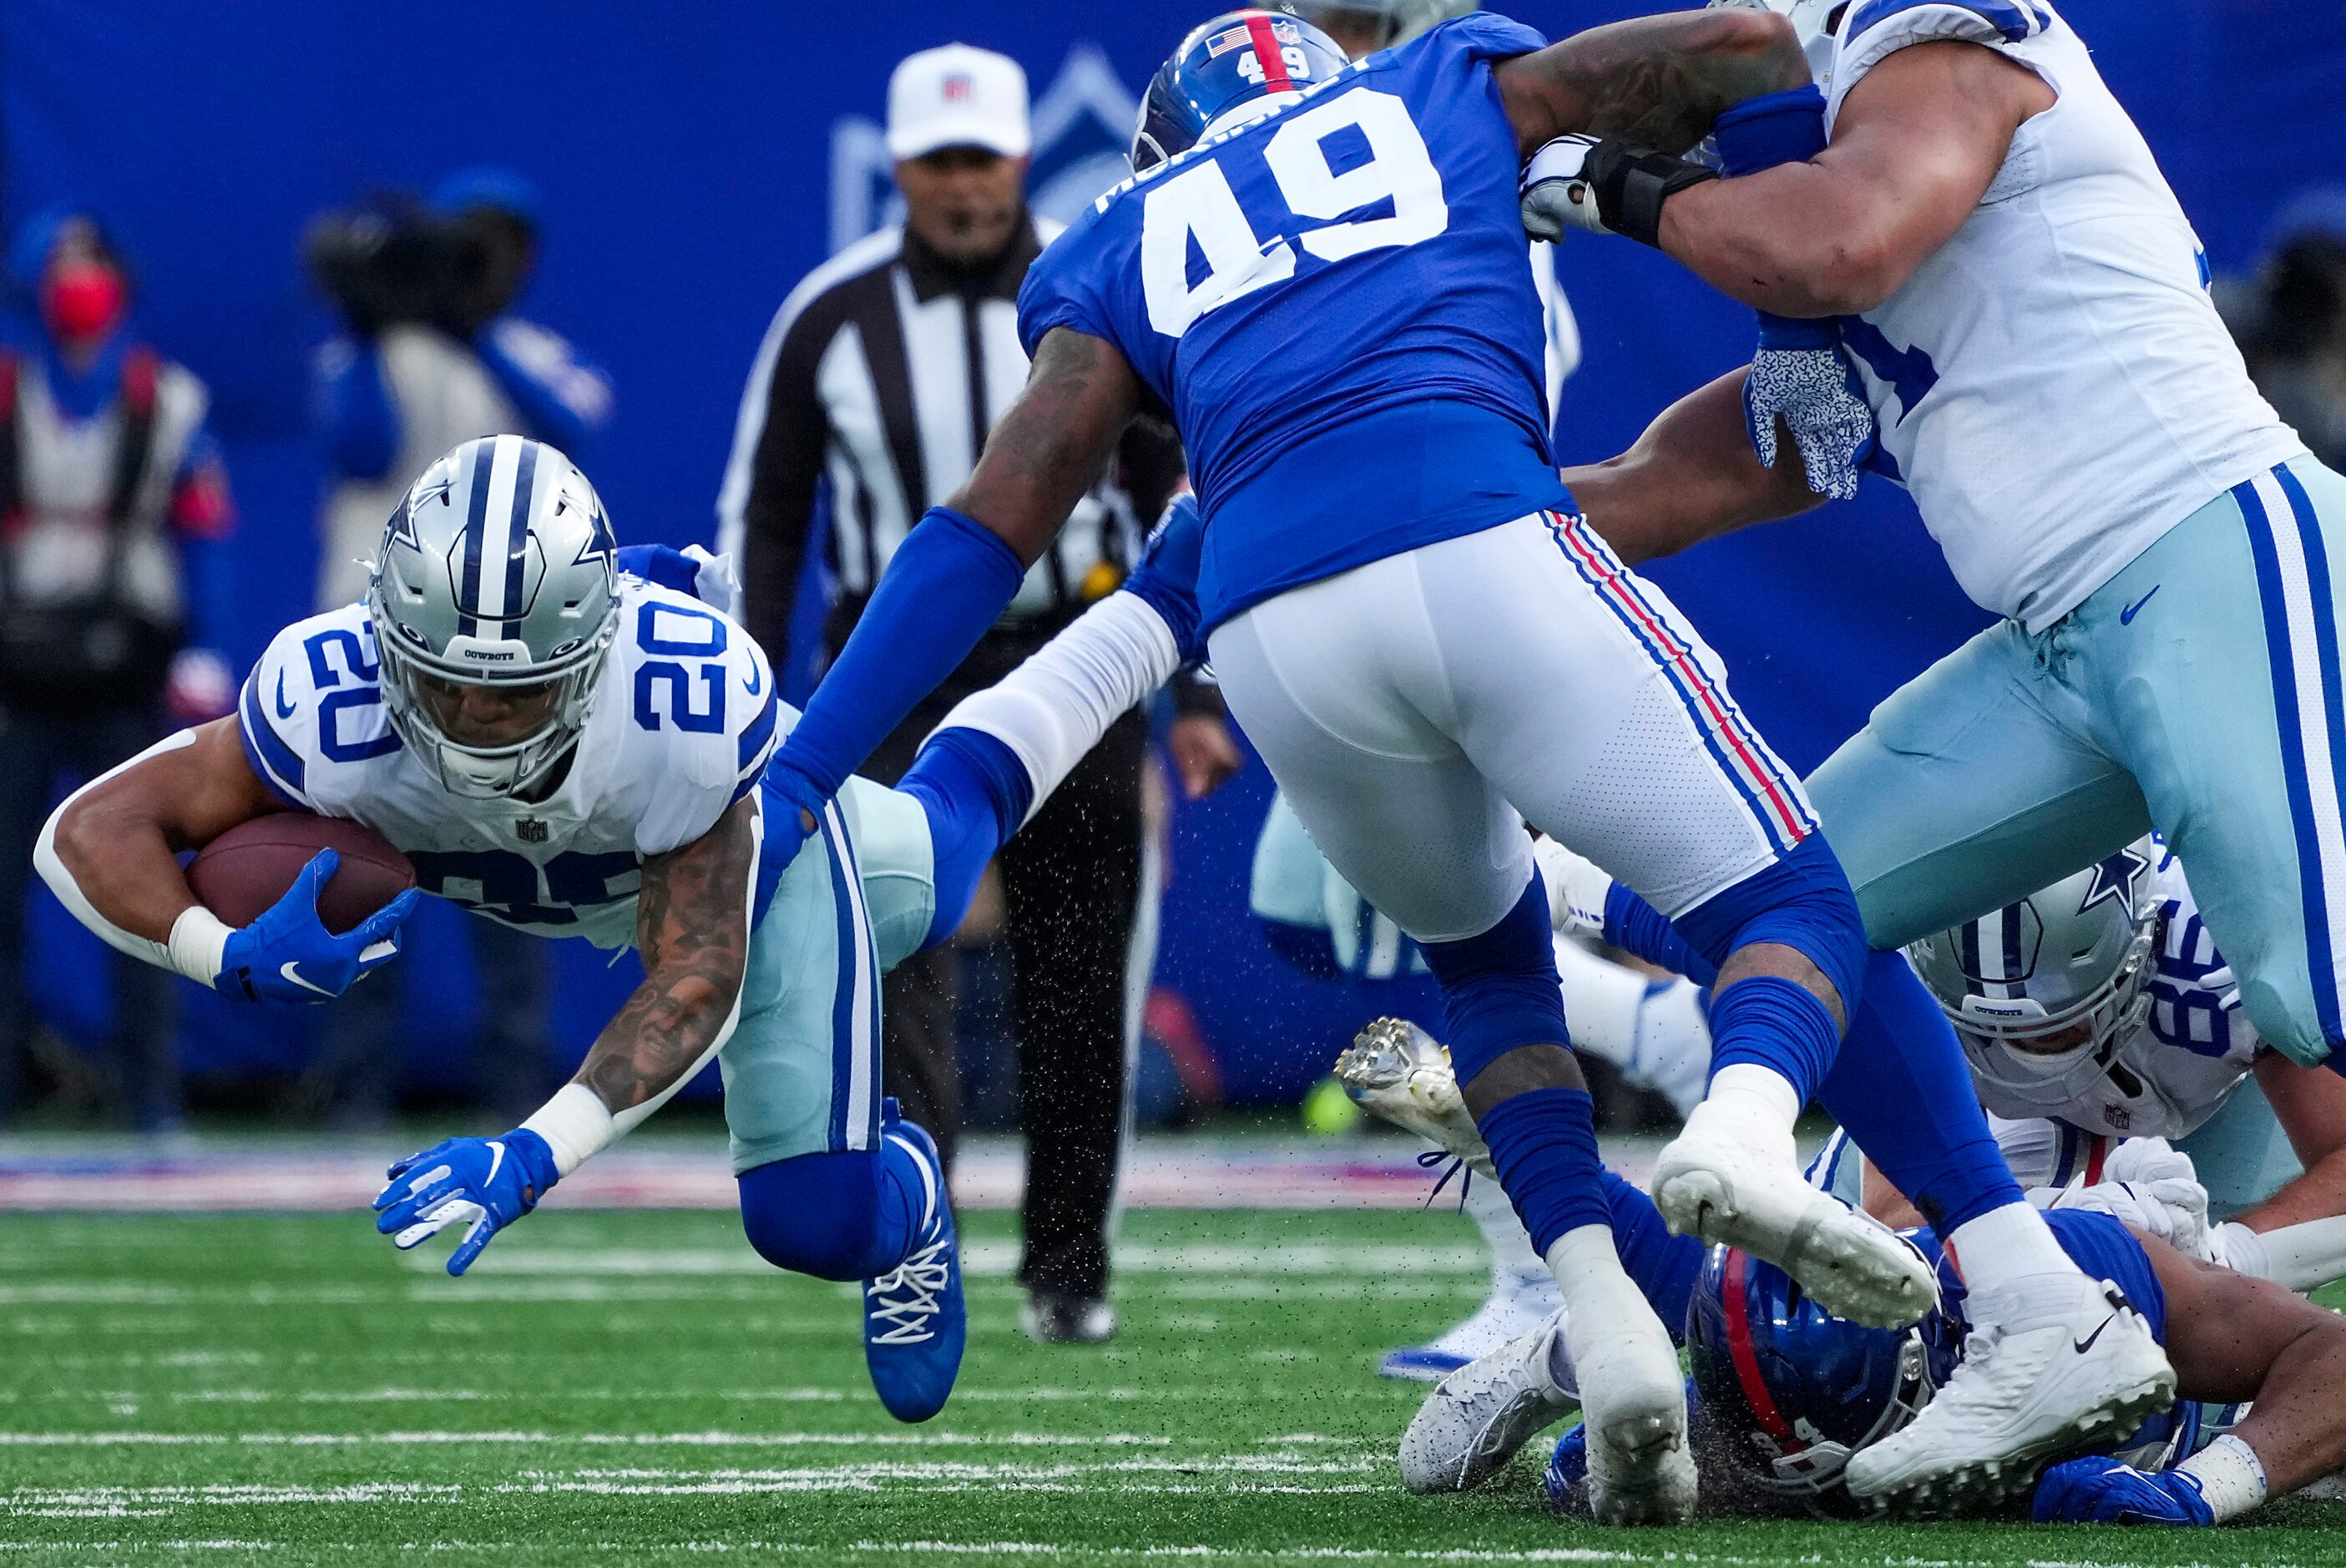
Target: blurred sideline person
(2290,319)
(432,355)
(877,382)
(113,501)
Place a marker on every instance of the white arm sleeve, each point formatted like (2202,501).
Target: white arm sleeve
(1054,708)
(61,880)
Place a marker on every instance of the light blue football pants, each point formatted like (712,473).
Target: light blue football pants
(802,1067)
(2198,691)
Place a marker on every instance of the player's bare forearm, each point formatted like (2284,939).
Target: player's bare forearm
(1659,81)
(2310,1103)
(120,840)
(1053,443)
(692,927)
(2233,1337)
(1915,146)
(1691,477)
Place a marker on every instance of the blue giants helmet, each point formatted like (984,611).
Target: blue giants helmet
(1227,72)
(1789,1391)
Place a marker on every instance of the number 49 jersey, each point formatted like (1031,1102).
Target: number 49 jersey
(1336,304)
(683,718)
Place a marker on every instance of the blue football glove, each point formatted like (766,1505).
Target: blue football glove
(2100,1491)
(288,955)
(1799,374)
(663,565)
(487,1182)
(1167,577)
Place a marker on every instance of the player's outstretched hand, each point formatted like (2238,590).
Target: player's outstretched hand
(1798,376)
(487,1182)
(2101,1491)
(288,955)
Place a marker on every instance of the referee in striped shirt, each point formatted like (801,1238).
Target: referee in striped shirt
(876,386)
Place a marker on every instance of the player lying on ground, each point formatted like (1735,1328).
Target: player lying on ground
(2094,1010)
(1789,1393)
(1318,271)
(1980,286)
(1651,1028)
(575,751)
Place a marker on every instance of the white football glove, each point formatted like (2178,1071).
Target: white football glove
(2150,1184)
(1555,196)
(1804,380)
(1577,889)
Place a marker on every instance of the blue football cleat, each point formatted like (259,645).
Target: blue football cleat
(914,1321)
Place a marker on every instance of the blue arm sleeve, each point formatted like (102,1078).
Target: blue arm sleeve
(1663,1266)
(946,584)
(1762,133)
(1635,926)
(549,418)
(362,428)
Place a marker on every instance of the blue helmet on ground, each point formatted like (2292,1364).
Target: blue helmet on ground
(1789,1391)
(1233,68)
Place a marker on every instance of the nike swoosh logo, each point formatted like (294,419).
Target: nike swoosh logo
(284,709)
(292,973)
(757,681)
(497,1158)
(2125,616)
(2086,1344)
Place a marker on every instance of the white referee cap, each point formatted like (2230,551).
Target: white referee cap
(957,97)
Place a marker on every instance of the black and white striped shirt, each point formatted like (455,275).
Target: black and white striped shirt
(880,377)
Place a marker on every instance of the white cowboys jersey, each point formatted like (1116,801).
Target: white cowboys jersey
(2053,383)
(683,718)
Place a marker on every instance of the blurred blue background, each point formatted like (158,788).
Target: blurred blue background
(697,160)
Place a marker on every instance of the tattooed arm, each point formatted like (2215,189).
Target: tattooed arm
(692,927)
(1659,81)
(1053,443)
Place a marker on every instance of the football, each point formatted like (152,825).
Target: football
(247,868)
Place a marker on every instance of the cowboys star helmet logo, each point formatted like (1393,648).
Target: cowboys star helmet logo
(2114,878)
(602,544)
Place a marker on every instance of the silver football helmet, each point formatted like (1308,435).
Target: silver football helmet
(2048,994)
(495,600)
(1393,21)
(1814,22)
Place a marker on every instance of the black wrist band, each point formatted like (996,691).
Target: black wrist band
(1630,184)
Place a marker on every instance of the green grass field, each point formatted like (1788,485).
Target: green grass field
(636,1387)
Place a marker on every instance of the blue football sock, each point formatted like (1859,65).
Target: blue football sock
(1543,1143)
(1663,1266)
(852,1214)
(1902,1090)
(1776,1024)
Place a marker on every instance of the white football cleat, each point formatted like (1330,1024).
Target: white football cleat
(1728,1192)
(1477,1419)
(1518,1303)
(1402,1073)
(1633,1402)
(2054,1362)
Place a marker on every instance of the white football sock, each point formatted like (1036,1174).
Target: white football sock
(1511,1258)
(2006,1243)
(1751,1103)
(1596,1290)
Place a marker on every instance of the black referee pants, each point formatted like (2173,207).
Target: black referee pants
(1071,885)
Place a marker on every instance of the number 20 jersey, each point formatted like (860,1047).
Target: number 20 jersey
(683,718)
(1336,304)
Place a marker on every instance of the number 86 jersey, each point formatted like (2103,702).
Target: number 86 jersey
(682,720)
(1335,303)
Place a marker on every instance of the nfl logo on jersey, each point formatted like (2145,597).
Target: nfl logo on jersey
(530,830)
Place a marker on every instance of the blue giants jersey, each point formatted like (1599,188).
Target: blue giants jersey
(1336,303)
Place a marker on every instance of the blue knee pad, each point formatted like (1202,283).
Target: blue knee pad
(1499,990)
(846,1215)
(1901,1089)
(976,793)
